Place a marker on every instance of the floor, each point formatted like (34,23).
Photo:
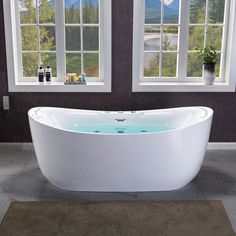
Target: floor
(22,180)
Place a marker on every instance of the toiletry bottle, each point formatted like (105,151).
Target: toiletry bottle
(48,72)
(84,77)
(68,78)
(80,78)
(75,77)
(41,74)
(71,77)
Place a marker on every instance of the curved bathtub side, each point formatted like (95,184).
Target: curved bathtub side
(93,162)
(193,142)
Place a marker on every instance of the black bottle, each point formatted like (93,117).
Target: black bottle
(48,72)
(41,74)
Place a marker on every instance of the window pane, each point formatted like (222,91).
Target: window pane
(194,65)
(152,38)
(72,11)
(91,64)
(151,64)
(217,68)
(49,59)
(197,11)
(152,12)
(47,38)
(46,11)
(29,38)
(27,12)
(73,63)
(91,41)
(170,38)
(90,11)
(30,64)
(216,11)
(73,39)
(196,37)
(171,11)
(169,61)
(214,37)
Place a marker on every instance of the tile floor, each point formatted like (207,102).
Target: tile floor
(22,180)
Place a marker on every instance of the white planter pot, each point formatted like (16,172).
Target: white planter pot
(209,74)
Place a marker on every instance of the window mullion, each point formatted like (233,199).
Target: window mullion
(138,41)
(81,36)
(60,39)
(224,41)
(38,31)
(161,40)
(206,24)
(183,39)
(18,40)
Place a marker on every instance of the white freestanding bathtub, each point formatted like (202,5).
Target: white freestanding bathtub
(155,150)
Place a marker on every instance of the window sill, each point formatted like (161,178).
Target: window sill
(182,87)
(90,87)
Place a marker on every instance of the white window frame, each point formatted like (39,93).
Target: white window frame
(182,83)
(13,50)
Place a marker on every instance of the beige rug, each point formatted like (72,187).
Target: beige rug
(139,218)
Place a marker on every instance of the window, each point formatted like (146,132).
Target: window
(71,36)
(166,34)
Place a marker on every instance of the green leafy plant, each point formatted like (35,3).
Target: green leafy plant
(208,55)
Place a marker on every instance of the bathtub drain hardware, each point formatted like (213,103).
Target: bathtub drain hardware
(120,131)
(120,128)
(120,120)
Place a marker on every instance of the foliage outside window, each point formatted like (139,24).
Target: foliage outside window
(81,36)
(163,51)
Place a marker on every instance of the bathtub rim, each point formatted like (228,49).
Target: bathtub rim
(209,115)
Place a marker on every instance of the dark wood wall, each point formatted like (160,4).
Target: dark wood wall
(14,123)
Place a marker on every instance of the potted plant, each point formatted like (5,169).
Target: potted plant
(209,57)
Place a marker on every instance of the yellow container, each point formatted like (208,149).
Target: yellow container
(75,77)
